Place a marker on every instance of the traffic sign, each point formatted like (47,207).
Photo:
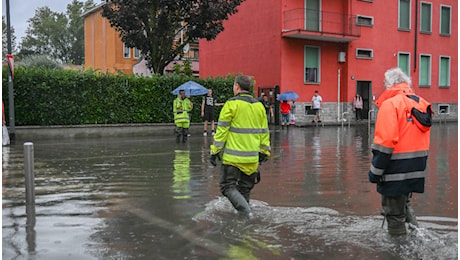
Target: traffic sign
(11,63)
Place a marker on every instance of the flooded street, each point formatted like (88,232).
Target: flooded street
(150,198)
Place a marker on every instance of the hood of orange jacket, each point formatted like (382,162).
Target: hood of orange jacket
(419,108)
(401,88)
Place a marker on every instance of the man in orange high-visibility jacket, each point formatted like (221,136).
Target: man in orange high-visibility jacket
(400,149)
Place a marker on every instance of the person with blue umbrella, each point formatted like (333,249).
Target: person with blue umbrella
(182,106)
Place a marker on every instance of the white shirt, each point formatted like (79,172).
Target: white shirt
(317,102)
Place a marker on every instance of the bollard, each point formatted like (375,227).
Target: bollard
(29,182)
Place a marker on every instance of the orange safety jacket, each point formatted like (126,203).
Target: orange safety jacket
(401,142)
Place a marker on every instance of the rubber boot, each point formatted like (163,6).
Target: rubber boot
(246,183)
(178,134)
(184,134)
(394,209)
(410,214)
(238,201)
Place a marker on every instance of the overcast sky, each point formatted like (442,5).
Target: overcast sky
(23,10)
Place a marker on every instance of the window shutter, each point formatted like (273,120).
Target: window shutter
(403,63)
(445,20)
(444,72)
(424,71)
(311,57)
(404,13)
(425,18)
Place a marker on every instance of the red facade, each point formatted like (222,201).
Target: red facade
(339,47)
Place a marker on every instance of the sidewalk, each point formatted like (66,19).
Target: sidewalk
(158,129)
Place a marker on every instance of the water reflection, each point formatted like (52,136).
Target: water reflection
(144,198)
(181,185)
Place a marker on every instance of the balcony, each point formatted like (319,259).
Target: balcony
(322,26)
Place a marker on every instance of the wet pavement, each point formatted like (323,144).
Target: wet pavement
(150,198)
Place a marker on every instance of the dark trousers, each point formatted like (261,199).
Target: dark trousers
(181,131)
(359,115)
(237,186)
(397,212)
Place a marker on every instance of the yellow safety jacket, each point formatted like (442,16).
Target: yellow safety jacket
(242,132)
(181,108)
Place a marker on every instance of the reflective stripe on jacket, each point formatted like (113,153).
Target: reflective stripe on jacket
(181,109)
(242,132)
(400,148)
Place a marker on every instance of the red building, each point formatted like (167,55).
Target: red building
(340,47)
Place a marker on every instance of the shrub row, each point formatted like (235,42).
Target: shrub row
(72,97)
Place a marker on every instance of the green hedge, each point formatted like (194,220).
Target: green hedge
(71,97)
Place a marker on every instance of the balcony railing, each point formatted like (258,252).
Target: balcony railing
(309,23)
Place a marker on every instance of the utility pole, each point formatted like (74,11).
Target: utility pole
(10,75)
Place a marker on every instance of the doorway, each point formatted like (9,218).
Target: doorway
(364,89)
(272,93)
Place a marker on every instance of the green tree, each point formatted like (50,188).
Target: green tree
(5,39)
(59,35)
(77,29)
(154,27)
(39,60)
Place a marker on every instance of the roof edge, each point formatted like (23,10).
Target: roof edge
(92,10)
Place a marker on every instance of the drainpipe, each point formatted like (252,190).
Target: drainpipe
(338,95)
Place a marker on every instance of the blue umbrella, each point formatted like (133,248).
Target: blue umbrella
(191,89)
(288,95)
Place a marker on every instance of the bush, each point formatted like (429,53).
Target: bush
(39,60)
(44,96)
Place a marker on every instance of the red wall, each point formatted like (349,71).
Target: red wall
(292,69)
(386,41)
(250,44)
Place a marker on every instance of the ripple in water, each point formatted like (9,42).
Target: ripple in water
(318,232)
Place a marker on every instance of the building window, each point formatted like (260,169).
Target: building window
(425,71)
(445,20)
(136,53)
(126,52)
(444,71)
(312,15)
(195,53)
(364,20)
(404,15)
(312,64)
(364,53)
(425,17)
(404,62)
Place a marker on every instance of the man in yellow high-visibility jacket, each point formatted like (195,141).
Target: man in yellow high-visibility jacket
(182,106)
(243,137)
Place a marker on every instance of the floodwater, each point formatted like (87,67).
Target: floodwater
(150,198)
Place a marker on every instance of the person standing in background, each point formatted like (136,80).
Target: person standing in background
(358,106)
(285,110)
(268,107)
(316,106)
(292,113)
(207,111)
(182,106)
